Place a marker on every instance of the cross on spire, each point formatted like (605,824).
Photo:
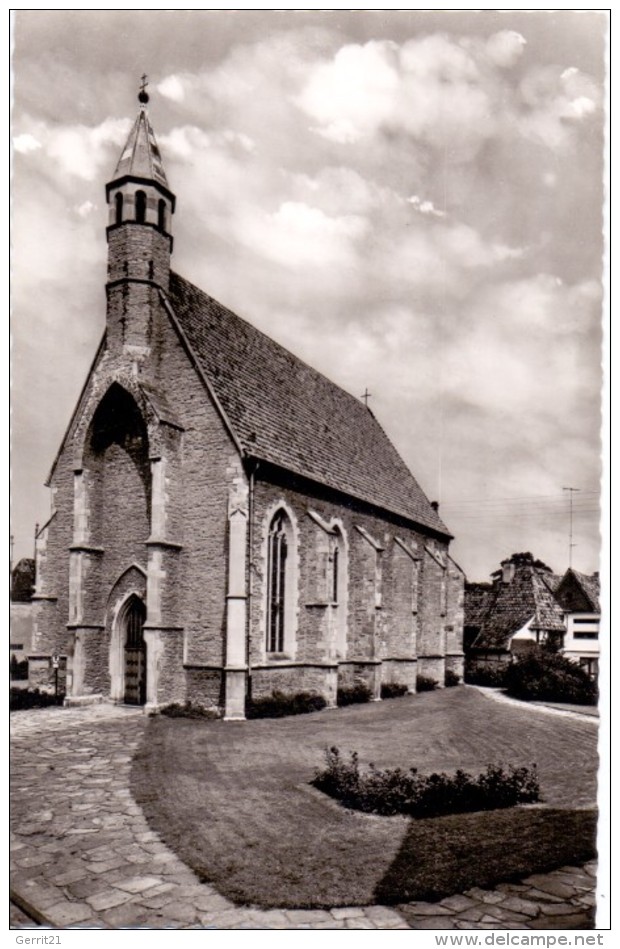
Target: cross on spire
(143,96)
(365,396)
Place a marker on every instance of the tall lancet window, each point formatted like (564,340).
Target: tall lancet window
(161,215)
(118,201)
(339,589)
(278,552)
(140,207)
(335,559)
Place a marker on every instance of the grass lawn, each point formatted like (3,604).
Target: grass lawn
(234,801)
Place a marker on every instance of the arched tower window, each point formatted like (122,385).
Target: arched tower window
(161,215)
(118,202)
(140,207)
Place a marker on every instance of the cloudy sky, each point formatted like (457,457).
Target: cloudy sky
(411,201)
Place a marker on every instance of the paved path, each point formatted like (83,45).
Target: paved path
(83,854)
(584,713)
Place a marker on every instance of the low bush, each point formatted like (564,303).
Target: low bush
(188,710)
(280,704)
(425,684)
(21,699)
(393,690)
(18,670)
(351,694)
(451,679)
(395,791)
(490,676)
(550,677)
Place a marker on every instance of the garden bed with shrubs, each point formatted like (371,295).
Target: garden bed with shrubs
(279,704)
(395,791)
(22,699)
(353,694)
(549,677)
(393,690)
(188,710)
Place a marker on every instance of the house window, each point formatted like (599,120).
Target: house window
(590,665)
(277,557)
(140,207)
(585,635)
(118,202)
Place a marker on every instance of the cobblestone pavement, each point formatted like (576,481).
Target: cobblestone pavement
(83,855)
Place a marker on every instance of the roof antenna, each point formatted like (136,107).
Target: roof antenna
(571,491)
(143,96)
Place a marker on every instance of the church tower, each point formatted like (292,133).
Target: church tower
(139,237)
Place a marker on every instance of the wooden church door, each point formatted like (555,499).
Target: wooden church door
(135,653)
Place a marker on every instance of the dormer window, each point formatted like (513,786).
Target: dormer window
(140,207)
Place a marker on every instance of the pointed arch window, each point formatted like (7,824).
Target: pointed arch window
(278,552)
(335,560)
(140,207)
(339,590)
(118,203)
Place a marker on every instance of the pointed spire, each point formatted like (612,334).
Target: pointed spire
(141,157)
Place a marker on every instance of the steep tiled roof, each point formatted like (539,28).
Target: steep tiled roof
(284,412)
(476,596)
(552,580)
(578,592)
(509,606)
(592,588)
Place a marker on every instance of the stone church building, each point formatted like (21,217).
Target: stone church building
(225,520)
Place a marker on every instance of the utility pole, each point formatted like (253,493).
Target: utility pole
(571,491)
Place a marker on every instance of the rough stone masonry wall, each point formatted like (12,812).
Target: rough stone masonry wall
(198,474)
(51,600)
(390,595)
(210,470)
(455,616)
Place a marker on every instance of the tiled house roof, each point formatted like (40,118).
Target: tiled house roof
(578,592)
(592,588)
(505,608)
(284,412)
(476,597)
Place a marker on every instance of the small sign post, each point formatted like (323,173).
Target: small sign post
(55,665)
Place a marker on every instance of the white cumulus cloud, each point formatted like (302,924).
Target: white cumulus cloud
(506,47)
(172,88)
(26,143)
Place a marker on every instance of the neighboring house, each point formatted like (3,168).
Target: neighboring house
(514,612)
(578,595)
(226,521)
(22,589)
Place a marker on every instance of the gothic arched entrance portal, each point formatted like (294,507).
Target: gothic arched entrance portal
(132,621)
